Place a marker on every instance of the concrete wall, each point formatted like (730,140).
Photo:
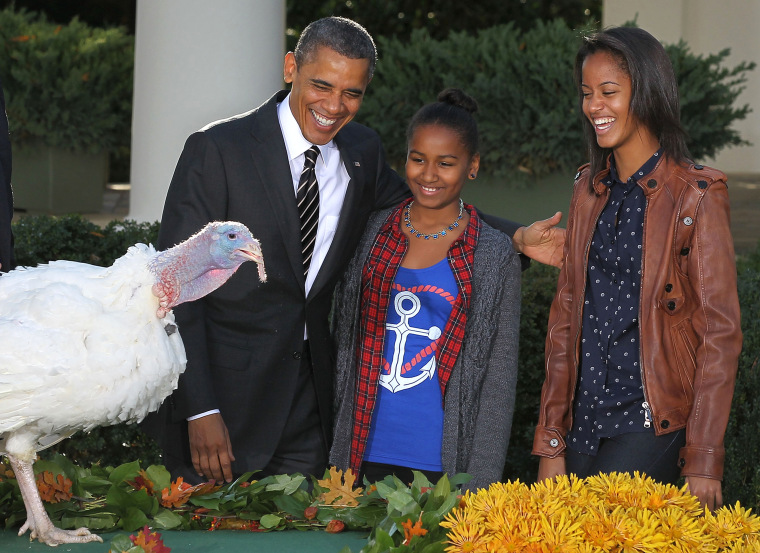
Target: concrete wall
(196,61)
(708,26)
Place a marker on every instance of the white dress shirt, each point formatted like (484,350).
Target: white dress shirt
(331,176)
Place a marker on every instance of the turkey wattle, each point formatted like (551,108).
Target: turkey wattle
(84,346)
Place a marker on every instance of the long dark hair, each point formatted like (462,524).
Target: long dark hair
(654,89)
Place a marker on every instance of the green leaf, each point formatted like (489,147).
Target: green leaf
(210,501)
(140,499)
(118,499)
(159,476)
(420,481)
(121,543)
(290,505)
(382,540)
(127,471)
(270,521)
(96,485)
(133,519)
(98,522)
(167,520)
(402,501)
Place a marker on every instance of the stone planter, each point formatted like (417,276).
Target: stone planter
(56,181)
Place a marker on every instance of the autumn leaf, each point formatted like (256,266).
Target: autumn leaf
(177,494)
(180,492)
(53,489)
(142,482)
(150,542)
(411,530)
(207,487)
(340,488)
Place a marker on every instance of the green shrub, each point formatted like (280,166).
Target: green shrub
(40,239)
(742,474)
(538,285)
(66,85)
(523,81)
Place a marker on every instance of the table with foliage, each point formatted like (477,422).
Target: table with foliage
(605,513)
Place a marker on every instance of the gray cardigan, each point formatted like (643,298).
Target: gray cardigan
(480,393)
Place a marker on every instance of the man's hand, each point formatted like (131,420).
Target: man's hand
(210,448)
(542,241)
(707,490)
(549,468)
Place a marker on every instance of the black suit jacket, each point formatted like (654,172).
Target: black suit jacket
(6,194)
(244,341)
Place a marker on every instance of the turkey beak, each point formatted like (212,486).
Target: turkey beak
(253,253)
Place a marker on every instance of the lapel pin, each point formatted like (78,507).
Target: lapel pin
(357,164)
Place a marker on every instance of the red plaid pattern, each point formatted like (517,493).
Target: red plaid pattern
(378,274)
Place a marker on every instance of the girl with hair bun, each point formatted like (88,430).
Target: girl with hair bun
(427,321)
(644,331)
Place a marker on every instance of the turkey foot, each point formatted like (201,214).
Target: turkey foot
(37,519)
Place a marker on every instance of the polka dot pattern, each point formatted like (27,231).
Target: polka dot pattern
(609,395)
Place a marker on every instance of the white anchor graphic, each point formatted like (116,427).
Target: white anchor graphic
(394,381)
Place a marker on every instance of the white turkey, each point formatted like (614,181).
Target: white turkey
(84,346)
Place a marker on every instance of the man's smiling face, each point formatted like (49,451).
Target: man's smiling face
(327,92)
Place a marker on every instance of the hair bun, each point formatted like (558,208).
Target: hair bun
(457,97)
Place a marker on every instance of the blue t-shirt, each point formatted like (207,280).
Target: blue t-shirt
(407,422)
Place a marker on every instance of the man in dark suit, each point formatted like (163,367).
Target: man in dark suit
(7,260)
(257,392)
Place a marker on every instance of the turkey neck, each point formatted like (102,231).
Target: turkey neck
(188,271)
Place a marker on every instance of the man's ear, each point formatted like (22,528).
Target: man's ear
(290,68)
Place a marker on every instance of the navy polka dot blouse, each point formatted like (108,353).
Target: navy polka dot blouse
(609,398)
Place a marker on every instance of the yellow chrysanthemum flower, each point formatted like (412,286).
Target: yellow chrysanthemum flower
(616,513)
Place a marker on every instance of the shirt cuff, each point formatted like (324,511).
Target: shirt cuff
(204,414)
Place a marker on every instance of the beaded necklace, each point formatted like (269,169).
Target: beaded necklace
(418,234)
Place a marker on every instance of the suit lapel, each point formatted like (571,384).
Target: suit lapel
(270,158)
(346,222)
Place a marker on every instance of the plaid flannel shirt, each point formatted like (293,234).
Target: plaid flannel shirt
(378,275)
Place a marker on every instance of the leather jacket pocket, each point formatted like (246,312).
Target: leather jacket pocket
(684,340)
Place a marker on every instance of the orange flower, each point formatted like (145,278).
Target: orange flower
(411,530)
(53,489)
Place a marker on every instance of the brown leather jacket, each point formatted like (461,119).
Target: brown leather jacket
(689,322)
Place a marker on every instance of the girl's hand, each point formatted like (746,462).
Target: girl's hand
(707,490)
(549,468)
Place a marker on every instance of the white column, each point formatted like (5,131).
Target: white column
(196,61)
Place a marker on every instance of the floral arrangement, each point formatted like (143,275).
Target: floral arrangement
(607,513)
(604,513)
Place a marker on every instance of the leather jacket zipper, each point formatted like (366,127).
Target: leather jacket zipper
(647,415)
(645,404)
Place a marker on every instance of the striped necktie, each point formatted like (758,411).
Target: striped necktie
(307,196)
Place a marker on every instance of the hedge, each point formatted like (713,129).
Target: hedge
(529,121)
(42,238)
